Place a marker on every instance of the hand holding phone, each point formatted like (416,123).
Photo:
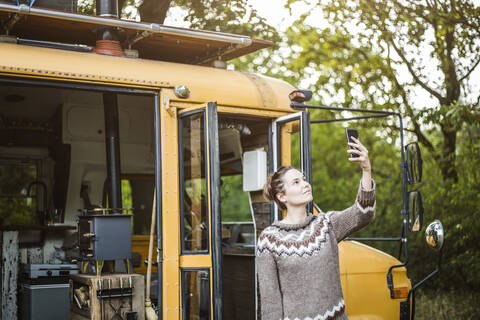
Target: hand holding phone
(358,153)
(352,133)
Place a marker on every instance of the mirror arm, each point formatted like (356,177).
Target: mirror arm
(403,165)
(404,210)
(404,239)
(411,293)
(401,243)
(390,274)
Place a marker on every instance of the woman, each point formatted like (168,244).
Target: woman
(297,257)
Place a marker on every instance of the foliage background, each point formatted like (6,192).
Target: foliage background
(416,57)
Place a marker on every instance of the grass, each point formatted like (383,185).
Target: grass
(447,305)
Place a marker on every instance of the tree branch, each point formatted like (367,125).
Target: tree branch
(463,20)
(416,9)
(470,71)
(416,127)
(398,128)
(414,75)
(350,48)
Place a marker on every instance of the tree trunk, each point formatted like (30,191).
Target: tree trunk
(154,11)
(121,4)
(452,86)
(447,159)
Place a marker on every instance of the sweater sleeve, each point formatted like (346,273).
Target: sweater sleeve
(352,219)
(270,295)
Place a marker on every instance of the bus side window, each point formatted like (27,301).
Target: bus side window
(137,194)
(17,207)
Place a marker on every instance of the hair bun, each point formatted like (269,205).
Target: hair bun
(274,185)
(267,188)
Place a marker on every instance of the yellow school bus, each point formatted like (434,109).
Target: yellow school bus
(166,118)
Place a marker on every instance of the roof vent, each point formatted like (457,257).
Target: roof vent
(109,47)
(107,8)
(107,37)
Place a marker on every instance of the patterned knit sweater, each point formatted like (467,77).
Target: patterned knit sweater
(298,268)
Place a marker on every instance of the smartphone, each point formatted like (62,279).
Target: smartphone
(352,133)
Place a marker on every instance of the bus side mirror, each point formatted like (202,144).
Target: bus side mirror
(415,210)
(414,163)
(434,235)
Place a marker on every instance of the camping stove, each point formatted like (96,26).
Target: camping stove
(105,237)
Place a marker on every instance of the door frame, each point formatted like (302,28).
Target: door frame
(305,150)
(211,258)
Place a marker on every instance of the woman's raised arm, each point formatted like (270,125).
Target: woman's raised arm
(352,219)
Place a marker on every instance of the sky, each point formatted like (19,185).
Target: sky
(276,15)
(273,11)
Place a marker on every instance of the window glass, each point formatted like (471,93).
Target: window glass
(193,184)
(137,193)
(126,194)
(17,206)
(235,206)
(196,295)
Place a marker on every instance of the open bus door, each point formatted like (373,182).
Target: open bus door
(291,146)
(200,228)
(200,263)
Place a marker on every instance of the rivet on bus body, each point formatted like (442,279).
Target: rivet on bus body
(182,92)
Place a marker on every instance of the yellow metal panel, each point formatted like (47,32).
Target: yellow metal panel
(364,260)
(63,64)
(286,144)
(343,270)
(195,107)
(368,295)
(229,88)
(195,261)
(170,212)
(245,111)
(140,245)
(363,274)
(30,75)
(250,112)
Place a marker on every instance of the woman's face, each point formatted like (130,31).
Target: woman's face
(297,191)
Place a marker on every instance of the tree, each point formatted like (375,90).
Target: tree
(384,54)
(417,58)
(235,16)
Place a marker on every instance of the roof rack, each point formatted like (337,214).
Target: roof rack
(151,40)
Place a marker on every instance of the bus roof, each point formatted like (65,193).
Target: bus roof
(206,84)
(152,41)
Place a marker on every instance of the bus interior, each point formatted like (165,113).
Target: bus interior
(53,163)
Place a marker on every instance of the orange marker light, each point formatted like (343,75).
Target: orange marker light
(400,293)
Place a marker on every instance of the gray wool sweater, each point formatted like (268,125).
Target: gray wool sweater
(298,267)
